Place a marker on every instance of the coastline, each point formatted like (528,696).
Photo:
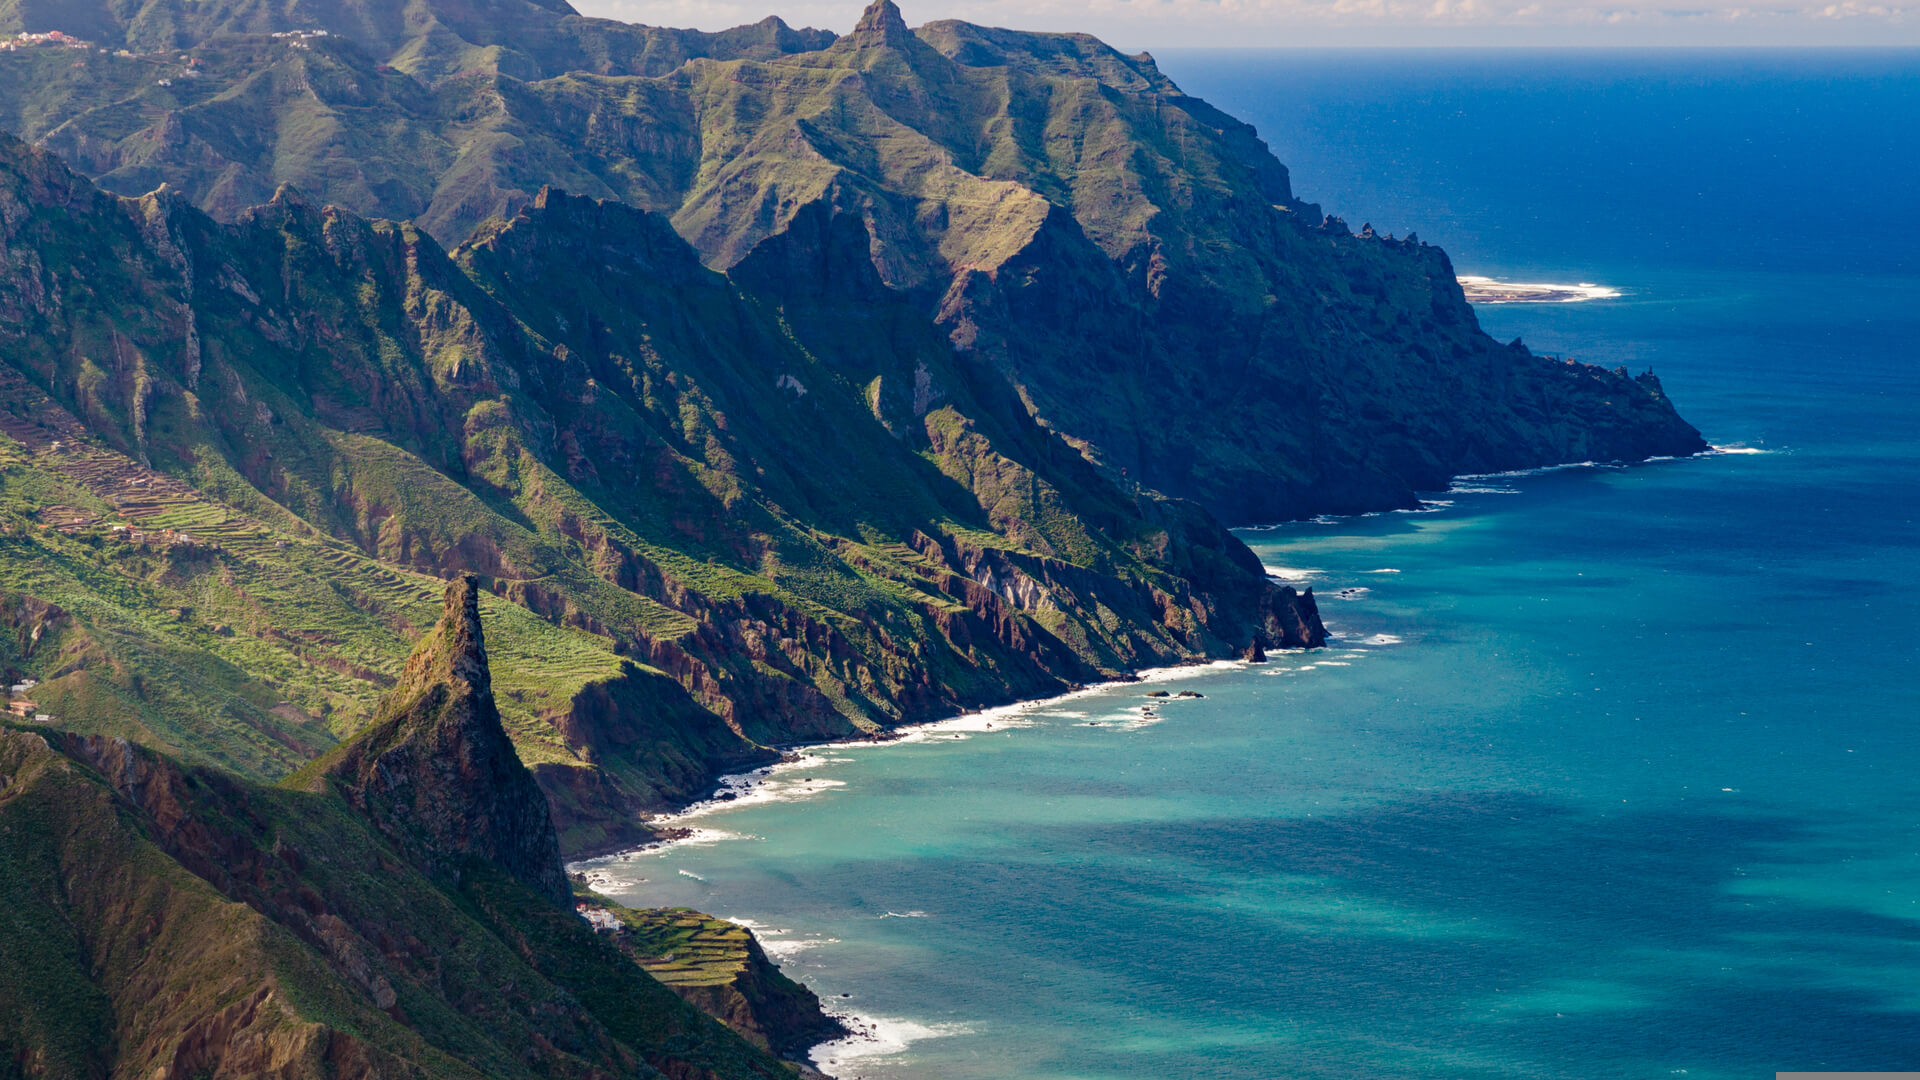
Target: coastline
(729,788)
(872,1035)
(865,1035)
(754,786)
(1430,502)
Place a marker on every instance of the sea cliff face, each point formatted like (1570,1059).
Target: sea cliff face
(858,381)
(719,967)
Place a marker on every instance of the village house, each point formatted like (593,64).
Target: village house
(50,38)
(602,919)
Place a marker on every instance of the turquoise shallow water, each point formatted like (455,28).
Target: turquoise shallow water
(1613,774)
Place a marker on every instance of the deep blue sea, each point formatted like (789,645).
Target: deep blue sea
(1611,772)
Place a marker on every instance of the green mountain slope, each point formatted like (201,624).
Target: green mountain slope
(1128,259)
(858,381)
(846,399)
(727,517)
(177,922)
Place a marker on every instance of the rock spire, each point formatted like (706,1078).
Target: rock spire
(436,771)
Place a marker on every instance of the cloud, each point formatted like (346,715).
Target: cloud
(1851,10)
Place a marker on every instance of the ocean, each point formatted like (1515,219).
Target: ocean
(1610,771)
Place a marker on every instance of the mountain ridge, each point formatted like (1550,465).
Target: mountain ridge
(864,414)
(653,467)
(755,389)
(1294,367)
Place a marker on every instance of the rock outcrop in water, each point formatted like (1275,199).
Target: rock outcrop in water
(1294,621)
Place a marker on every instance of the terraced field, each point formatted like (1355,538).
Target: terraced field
(683,947)
(220,635)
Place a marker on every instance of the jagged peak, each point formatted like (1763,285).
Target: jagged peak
(43,170)
(289,196)
(436,770)
(567,225)
(881,24)
(456,650)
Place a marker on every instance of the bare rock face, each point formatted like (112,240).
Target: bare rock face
(436,771)
(881,24)
(1293,620)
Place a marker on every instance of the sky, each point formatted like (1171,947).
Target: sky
(1148,24)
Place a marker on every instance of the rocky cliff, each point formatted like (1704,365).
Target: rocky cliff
(859,381)
(396,909)
(1129,260)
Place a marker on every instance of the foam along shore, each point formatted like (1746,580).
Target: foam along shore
(790,780)
(875,1037)
(1485,290)
(777,782)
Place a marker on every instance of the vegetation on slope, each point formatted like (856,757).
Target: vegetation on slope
(845,395)
(179,923)
(1129,260)
(719,967)
(849,389)
(717,538)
